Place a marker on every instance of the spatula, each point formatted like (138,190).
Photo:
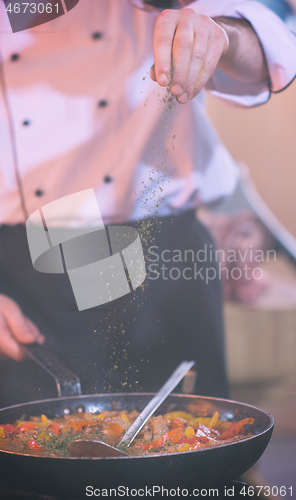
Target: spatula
(96,448)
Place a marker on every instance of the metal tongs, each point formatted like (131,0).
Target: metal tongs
(68,384)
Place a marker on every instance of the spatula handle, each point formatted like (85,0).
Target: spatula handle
(155,402)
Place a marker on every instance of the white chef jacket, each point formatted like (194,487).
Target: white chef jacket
(78,110)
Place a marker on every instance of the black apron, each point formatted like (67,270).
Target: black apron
(132,343)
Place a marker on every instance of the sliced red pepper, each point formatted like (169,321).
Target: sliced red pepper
(235,429)
(33,445)
(203,439)
(177,422)
(172,436)
(9,429)
(191,440)
(26,426)
(194,439)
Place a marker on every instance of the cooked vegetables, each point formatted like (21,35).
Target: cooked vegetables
(176,431)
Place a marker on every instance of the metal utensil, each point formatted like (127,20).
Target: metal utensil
(67,477)
(67,382)
(96,448)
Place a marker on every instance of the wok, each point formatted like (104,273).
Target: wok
(68,477)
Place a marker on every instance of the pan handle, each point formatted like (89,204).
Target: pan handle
(68,384)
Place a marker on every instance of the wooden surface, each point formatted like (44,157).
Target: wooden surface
(261,348)
(261,337)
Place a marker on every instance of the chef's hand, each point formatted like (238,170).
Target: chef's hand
(14,325)
(192,45)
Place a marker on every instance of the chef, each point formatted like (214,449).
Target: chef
(108,97)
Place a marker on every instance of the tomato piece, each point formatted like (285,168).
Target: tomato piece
(113,430)
(177,422)
(235,428)
(155,444)
(78,425)
(33,445)
(55,428)
(25,427)
(174,435)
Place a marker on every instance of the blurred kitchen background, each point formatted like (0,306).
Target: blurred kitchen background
(261,322)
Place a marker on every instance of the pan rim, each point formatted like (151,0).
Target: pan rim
(134,394)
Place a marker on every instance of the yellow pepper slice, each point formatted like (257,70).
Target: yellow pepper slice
(214,420)
(125,418)
(176,414)
(199,420)
(184,447)
(21,422)
(39,425)
(189,432)
(95,416)
(44,419)
(2,433)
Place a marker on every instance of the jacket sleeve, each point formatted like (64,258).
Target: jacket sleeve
(278,43)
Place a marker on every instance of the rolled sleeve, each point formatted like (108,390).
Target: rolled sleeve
(279,46)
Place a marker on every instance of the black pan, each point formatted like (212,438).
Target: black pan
(68,477)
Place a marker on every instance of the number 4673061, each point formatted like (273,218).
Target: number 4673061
(40,8)
(267,491)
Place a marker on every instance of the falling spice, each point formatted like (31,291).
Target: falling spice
(118,341)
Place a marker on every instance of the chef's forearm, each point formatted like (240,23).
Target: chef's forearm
(245,60)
